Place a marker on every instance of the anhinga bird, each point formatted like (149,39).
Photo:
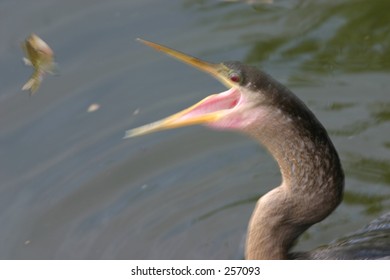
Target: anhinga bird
(312,175)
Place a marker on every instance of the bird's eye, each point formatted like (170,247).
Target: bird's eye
(235,77)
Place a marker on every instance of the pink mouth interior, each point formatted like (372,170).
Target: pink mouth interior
(223,101)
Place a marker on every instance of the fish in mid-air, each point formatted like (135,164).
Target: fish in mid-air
(41,57)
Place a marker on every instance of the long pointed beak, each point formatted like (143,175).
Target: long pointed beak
(209,110)
(218,71)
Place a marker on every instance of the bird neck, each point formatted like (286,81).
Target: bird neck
(312,180)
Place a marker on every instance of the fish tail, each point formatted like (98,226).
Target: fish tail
(33,84)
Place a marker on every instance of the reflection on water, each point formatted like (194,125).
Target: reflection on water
(380,113)
(320,37)
(72,188)
(369,170)
(374,204)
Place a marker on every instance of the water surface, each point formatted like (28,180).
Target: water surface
(72,188)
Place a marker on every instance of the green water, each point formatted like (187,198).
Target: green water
(71,187)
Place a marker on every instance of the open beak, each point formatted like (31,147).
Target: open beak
(208,110)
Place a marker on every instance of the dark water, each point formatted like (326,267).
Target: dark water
(71,187)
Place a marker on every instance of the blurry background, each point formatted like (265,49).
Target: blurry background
(72,188)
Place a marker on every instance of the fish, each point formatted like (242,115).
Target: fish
(41,57)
